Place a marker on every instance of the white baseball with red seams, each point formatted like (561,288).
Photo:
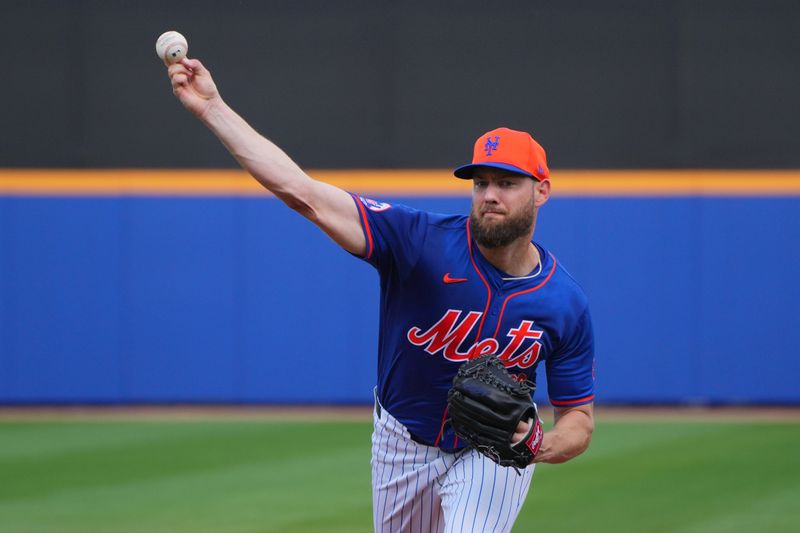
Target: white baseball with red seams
(171,47)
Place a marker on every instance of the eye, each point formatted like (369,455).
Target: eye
(506,184)
(480,184)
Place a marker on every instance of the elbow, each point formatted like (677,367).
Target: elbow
(584,445)
(585,438)
(299,198)
(301,206)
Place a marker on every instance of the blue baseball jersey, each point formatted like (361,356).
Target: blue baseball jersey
(443,303)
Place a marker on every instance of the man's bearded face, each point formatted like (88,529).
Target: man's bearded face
(494,226)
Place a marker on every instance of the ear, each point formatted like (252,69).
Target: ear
(542,192)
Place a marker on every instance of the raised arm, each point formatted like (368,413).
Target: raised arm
(329,207)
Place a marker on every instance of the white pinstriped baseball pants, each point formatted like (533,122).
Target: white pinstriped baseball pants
(419,489)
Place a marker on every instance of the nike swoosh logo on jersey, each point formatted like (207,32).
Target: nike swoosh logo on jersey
(448,279)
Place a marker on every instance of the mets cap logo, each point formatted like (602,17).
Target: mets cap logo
(373,205)
(491,145)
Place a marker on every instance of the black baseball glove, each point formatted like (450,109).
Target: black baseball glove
(486,404)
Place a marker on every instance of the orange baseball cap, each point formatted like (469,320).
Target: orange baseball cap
(508,149)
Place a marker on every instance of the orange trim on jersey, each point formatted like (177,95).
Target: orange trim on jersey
(441,428)
(539,286)
(422,182)
(366,226)
(572,402)
(488,289)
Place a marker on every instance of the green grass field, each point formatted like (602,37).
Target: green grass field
(259,475)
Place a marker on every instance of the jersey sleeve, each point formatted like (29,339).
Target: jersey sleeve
(570,372)
(395,234)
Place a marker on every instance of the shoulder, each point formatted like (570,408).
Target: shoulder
(392,209)
(571,319)
(564,286)
(447,222)
(415,216)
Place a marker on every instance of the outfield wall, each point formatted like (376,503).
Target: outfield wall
(198,287)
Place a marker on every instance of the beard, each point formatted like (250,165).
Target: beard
(494,234)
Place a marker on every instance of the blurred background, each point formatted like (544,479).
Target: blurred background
(138,266)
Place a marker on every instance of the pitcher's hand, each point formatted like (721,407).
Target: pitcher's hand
(521,432)
(193,85)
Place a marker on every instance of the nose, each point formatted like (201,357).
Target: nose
(490,192)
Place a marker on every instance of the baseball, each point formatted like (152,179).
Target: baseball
(171,47)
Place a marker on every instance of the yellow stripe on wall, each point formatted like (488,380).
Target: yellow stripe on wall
(566,183)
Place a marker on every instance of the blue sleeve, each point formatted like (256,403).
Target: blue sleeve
(395,234)
(570,372)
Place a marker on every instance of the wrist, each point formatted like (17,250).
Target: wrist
(214,109)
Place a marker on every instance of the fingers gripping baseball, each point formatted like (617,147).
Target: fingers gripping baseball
(193,85)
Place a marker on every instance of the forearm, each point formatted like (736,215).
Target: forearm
(265,161)
(569,437)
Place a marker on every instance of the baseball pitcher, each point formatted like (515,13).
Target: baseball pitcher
(470,306)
